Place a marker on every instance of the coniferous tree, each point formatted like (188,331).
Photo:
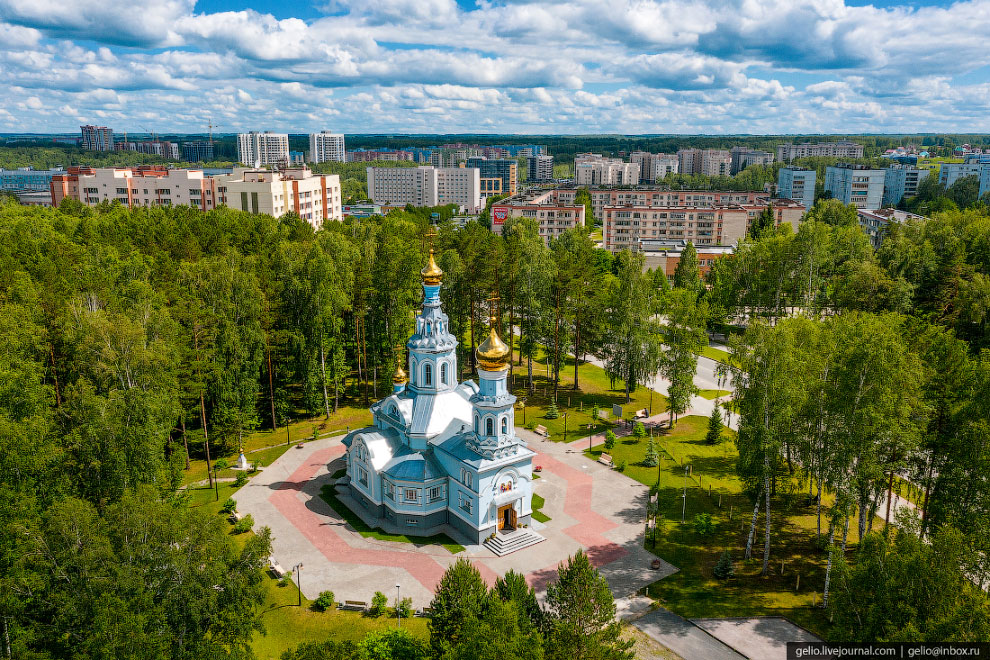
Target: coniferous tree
(460,595)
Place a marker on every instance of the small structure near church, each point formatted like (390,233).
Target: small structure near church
(443,456)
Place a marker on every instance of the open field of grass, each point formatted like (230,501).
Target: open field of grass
(328,495)
(693,592)
(594,389)
(713,394)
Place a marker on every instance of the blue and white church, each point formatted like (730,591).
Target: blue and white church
(443,456)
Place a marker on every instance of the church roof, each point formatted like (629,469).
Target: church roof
(409,465)
(382,445)
(442,413)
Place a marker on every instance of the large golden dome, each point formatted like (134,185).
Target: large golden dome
(399,377)
(493,354)
(432,273)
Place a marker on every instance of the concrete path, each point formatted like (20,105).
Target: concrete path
(591,507)
(759,638)
(683,637)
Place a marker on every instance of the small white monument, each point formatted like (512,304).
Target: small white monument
(242,463)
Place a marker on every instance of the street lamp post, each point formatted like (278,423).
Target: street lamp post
(684,495)
(288,438)
(398,602)
(297,568)
(565,427)
(216,486)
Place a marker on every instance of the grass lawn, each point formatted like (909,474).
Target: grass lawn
(538,503)
(716,354)
(713,394)
(913,494)
(594,389)
(693,592)
(361,528)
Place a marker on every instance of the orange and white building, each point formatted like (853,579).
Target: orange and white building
(542,206)
(315,197)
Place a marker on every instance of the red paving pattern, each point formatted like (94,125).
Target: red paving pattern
(334,546)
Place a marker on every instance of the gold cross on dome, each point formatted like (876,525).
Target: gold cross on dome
(431,234)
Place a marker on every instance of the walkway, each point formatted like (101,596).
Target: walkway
(683,637)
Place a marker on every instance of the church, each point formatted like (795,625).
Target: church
(443,456)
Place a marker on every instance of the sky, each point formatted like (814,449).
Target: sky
(506,66)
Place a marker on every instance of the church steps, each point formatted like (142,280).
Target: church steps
(504,544)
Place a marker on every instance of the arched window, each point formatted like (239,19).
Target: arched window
(412,371)
(443,373)
(476,423)
(505,426)
(428,327)
(489,427)
(428,374)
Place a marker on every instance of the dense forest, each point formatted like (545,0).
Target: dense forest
(135,338)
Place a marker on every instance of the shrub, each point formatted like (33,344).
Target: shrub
(552,411)
(621,466)
(596,414)
(324,601)
(723,568)
(405,608)
(221,464)
(284,580)
(244,524)
(703,524)
(229,506)
(610,439)
(652,458)
(639,431)
(241,479)
(379,604)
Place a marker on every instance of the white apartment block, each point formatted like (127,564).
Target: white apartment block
(842,149)
(655,196)
(901,181)
(398,186)
(326,147)
(553,217)
(460,186)
(654,166)
(627,226)
(952,172)
(147,186)
(605,172)
(710,162)
(797,183)
(858,185)
(267,148)
(315,198)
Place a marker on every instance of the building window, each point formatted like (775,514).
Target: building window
(363,476)
(443,373)
(489,427)
(436,493)
(390,490)
(411,495)
(464,502)
(411,522)
(505,426)
(476,422)
(467,478)
(428,375)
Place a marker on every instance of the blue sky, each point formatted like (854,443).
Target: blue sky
(443,66)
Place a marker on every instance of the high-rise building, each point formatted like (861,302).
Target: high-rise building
(161,148)
(859,185)
(710,162)
(267,148)
(654,166)
(797,183)
(197,151)
(502,168)
(590,170)
(539,169)
(97,138)
(326,147)
(426,186)
(842,149)
(742,157)
(314,197)
(952,172)
(901,181)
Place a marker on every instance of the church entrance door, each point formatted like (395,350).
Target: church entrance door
(506,518)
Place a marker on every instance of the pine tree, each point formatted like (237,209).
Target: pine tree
(724,569)
(512,587)
(652,457)
(460,595)
(714,435)
(639,431)
(552,411)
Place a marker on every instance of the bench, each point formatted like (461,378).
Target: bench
(235,517)
(426,611)
(358,605)
(642,413)
(605,459)
(275,568)
(541,430)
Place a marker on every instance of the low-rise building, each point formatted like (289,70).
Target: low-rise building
(553,217)
(875,222)
(665,255)
(368,156)
(797,183)
(841,149)
(27,179)
(901,181)
(314,197)
(145,185)
(362,210)
(859,185)
(625,226)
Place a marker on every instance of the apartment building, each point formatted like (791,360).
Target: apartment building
(858,185)
(501,168)
(153,147)
(197,151)
(901,181)
(314,197)
(842,149)
(949,173)
(552,217)
(539,169)
(710,162)
(145,185)
(625,226)
(742,157)
(797,183)
(605,172)
(368,156)
(398,186)
(460,186)
(654,166)
(875,222)
(665,255)
(263,148)
(96,138)
(655,196)
(327,147)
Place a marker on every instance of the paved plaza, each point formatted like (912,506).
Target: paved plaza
(591,507)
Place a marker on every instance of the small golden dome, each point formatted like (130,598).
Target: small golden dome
(399,377)
(432,273)
(493,354)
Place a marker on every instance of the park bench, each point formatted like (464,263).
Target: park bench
(605,459)
(275,567)
(426,611)
(541,430)
(235,517)
(357,605)
(642,413)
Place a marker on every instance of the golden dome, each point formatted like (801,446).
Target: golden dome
(432,273)
(493,354)
(399,377)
